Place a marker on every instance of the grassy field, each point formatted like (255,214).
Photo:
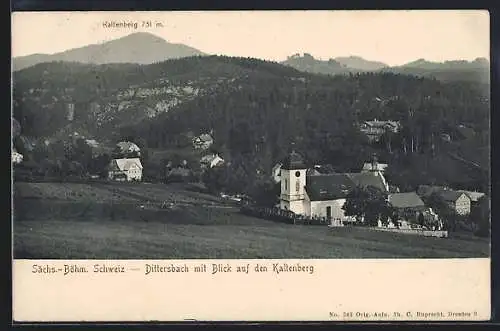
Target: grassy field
(51,225)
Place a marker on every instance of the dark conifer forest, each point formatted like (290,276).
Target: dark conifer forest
(258,109)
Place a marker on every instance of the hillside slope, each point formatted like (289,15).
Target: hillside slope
(255,109)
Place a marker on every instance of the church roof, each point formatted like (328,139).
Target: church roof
(321,187)
(293,161)
(328,187)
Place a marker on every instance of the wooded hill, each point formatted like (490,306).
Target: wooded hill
(258,108)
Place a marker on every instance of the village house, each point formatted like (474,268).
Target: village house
(321,195)
(375,129)
(458,201)
(211,160)
(203,141)
(474,196)
(408,206)
(125,169)
(406,201)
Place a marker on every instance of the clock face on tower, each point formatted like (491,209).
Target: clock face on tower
(297,174)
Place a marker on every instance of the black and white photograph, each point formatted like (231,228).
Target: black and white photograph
(251,135)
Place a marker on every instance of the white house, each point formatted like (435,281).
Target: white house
(211,160)
(125,169)
(321,195)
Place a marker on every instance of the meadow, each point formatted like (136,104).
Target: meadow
(124,221)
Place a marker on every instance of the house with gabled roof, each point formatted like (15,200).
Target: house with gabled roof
(474,196)
(318,195)
(458,201)
(203,141)
(128,169)
(211,160)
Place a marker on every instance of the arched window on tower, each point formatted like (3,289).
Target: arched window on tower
(297,186)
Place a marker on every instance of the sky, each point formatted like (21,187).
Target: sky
(392,37)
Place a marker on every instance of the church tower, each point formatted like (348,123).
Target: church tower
(293,182)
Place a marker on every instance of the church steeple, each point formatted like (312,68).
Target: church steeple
(294,160)
(293,182)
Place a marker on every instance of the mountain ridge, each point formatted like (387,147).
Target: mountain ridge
(452,70)
(139,47)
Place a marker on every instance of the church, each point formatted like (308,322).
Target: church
(318,195)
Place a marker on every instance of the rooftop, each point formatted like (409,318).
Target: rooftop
(293,161)
(328,187)
(368,179)
(406,200)
(125,164)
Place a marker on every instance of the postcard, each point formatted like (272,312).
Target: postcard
(251,166)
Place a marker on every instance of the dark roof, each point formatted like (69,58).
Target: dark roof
(328,187)
(451,196)
(445,194)
(368,179)
(406,200)
(427,190)
(293,161)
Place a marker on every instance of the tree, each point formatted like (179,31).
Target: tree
(214,178)
(368,203)
(265,193)
(82,153)
(99,165)
(421,219)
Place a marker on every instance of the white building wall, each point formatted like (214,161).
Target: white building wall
(318,208)
(134,174)
(292,187)
(462,205)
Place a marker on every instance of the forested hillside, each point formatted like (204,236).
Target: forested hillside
(257,109)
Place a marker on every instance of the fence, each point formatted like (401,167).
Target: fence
(280,215)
